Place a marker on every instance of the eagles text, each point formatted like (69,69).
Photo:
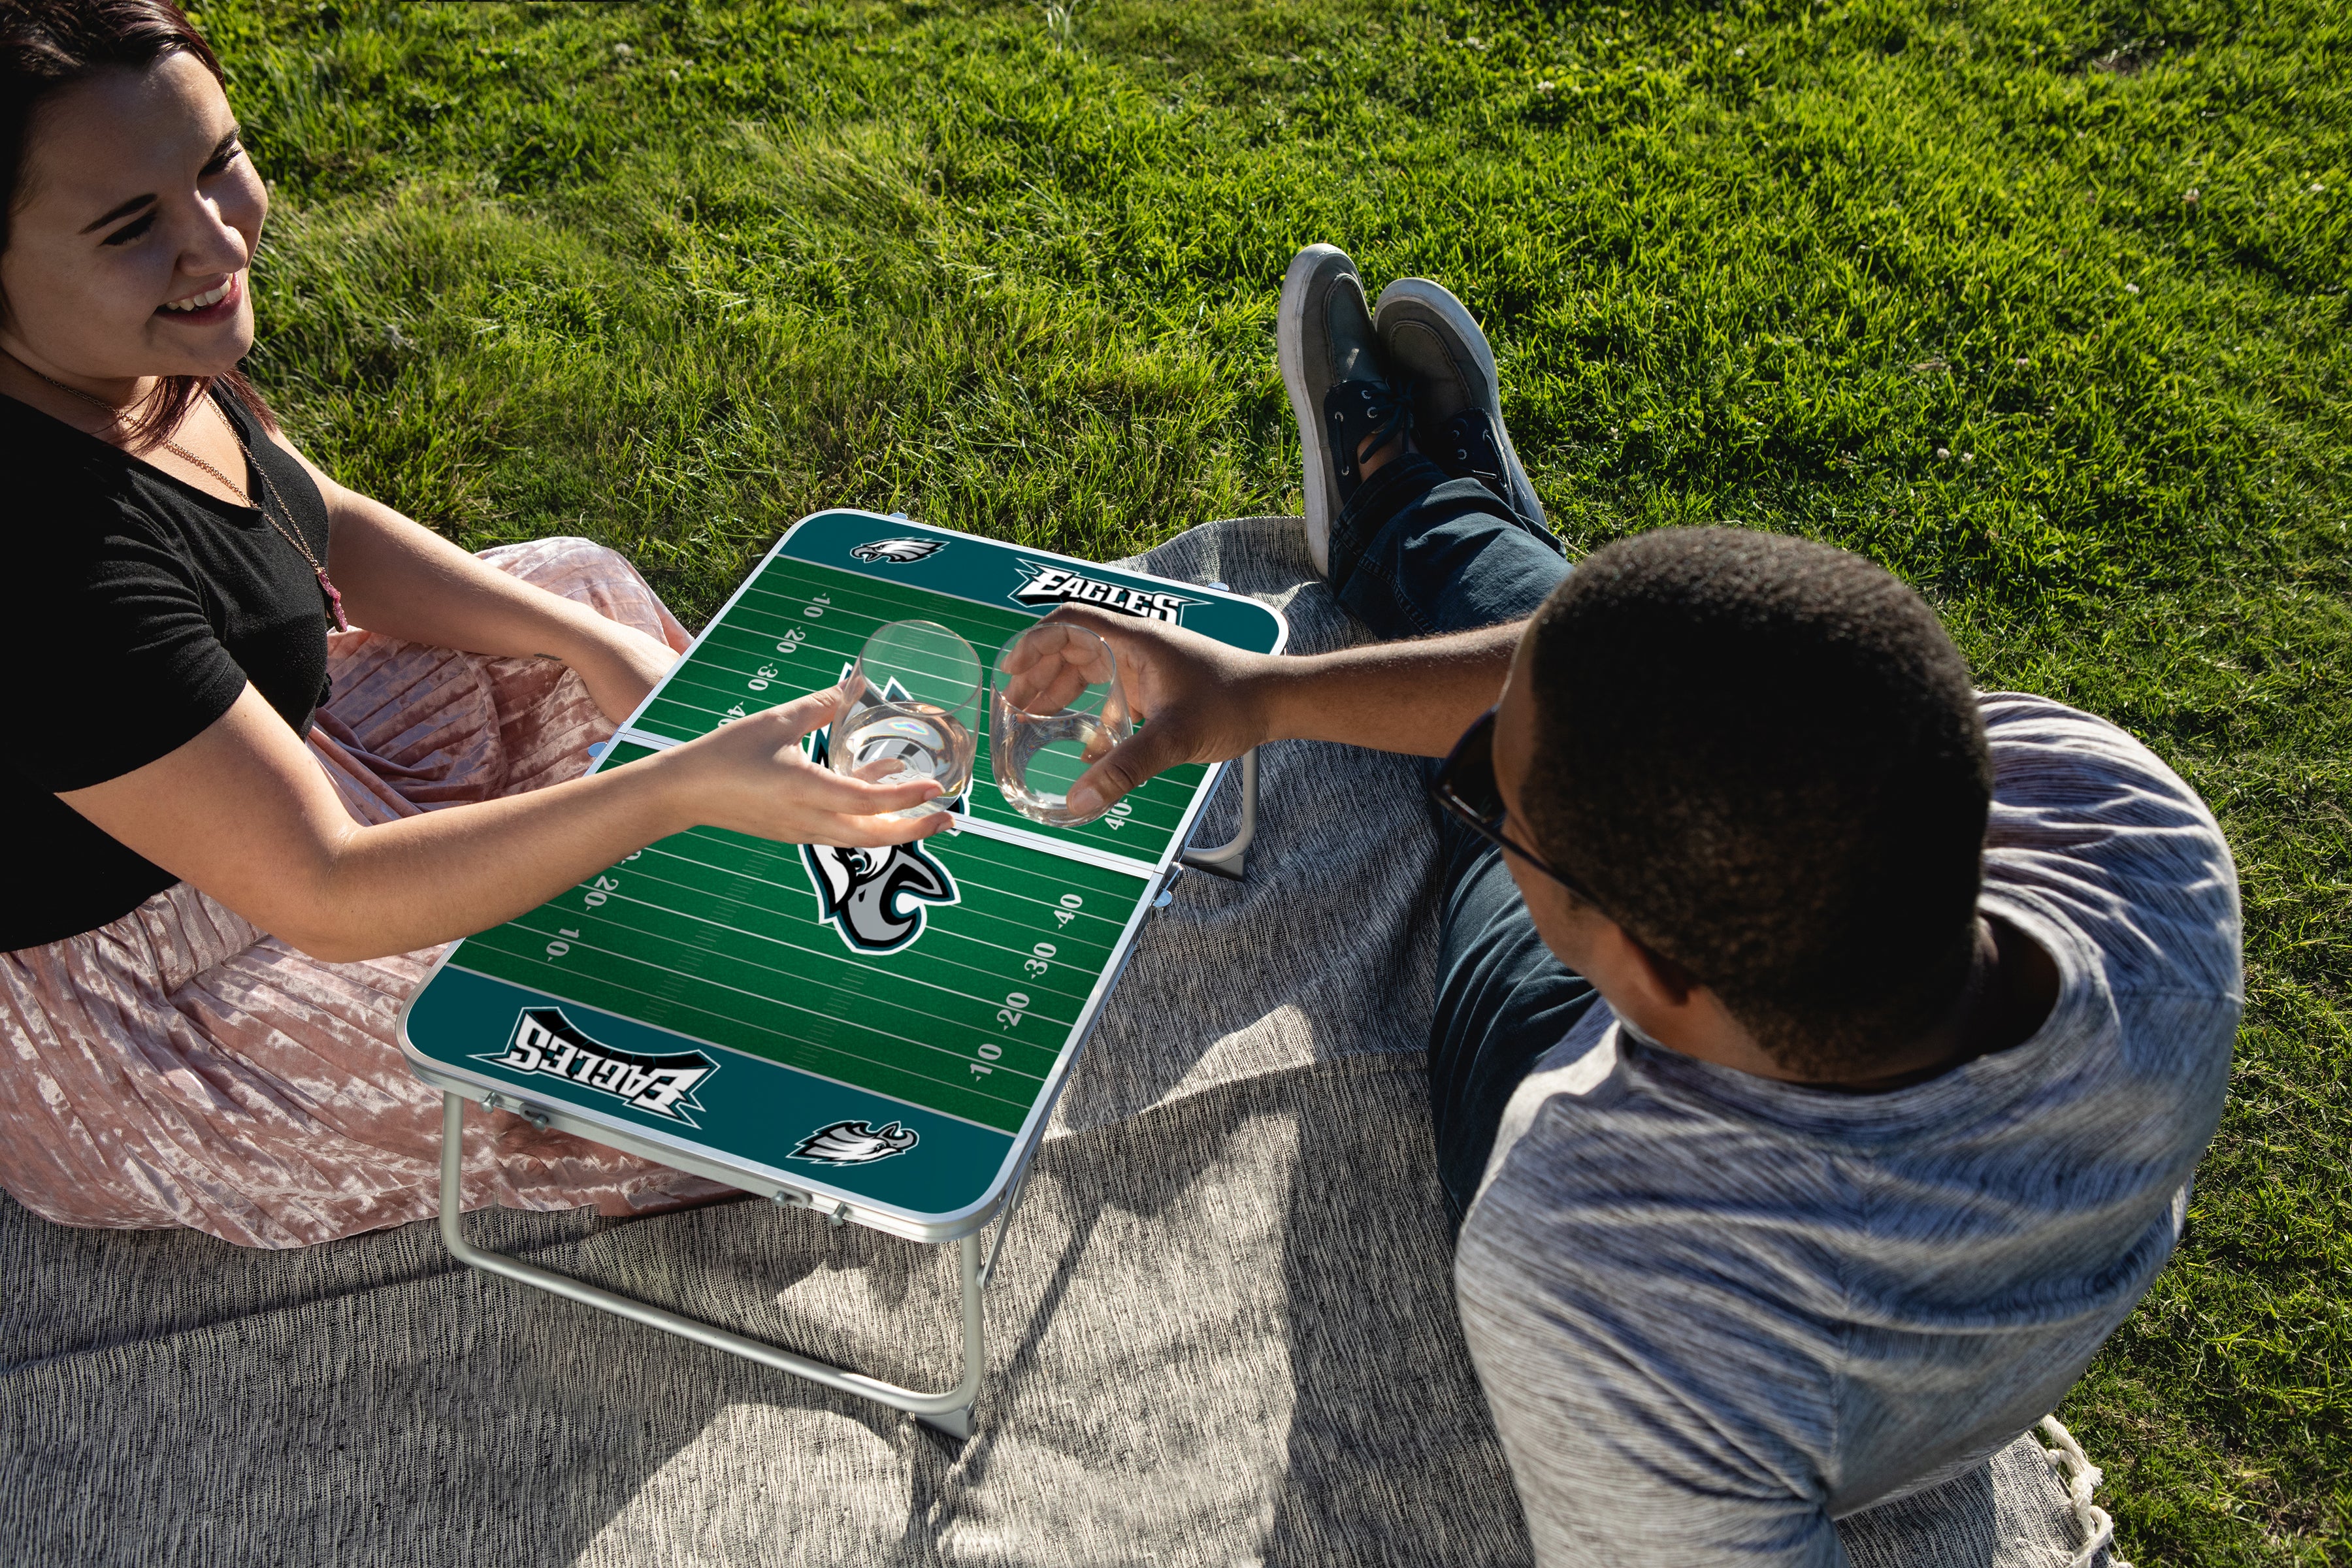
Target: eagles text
(1053,586)
(545,1041)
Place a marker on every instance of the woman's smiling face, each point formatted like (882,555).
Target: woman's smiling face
(137,213)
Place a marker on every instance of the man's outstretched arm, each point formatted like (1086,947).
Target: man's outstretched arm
(1206,702)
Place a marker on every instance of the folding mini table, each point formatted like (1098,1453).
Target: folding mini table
(878,1035)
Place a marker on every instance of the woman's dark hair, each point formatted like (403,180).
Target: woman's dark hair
(1764,757)
(48,45)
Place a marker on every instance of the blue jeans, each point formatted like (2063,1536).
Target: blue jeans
(1415,555)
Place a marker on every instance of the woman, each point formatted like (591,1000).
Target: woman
(241,834)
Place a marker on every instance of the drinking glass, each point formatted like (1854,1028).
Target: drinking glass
(909,708)
(1055,709)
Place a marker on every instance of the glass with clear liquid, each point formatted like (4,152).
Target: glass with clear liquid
(1055,709)
(908,710)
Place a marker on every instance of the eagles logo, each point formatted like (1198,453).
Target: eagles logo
(856,1144)
(875,898)
(897,551)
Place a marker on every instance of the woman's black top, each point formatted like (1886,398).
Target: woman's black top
(138,609)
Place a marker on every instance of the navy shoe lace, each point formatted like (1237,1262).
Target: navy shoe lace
(1362,415)
(1466,448)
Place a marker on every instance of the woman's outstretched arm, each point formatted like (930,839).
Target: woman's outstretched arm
(245,813)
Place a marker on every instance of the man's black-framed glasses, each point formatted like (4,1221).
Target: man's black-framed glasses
(1464,787)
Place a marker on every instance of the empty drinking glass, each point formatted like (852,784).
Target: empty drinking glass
(908,710)
(1055,709)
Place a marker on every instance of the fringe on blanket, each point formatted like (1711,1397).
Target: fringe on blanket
(2081,1479)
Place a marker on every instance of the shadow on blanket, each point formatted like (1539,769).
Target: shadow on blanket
(1223,1330)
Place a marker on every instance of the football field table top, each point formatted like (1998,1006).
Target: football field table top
(880,1034)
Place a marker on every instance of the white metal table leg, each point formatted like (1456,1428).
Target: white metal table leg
(950,1412)
(1229,858)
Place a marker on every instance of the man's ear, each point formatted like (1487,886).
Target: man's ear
(1674,983)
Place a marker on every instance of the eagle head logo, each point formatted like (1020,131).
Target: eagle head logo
(897,551)
(876,897)
(856,1144)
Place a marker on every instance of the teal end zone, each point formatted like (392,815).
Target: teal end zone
(988,572)
(756,1111)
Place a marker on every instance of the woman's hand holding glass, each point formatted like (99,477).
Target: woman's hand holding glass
(751,776)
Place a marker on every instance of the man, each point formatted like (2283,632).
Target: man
(1822,1050)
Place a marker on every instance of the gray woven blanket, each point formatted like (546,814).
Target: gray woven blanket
(1223,1330)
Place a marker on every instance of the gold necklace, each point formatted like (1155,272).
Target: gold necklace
(291,535)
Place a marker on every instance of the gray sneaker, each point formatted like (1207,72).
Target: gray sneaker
(1435,346)
(1338,380)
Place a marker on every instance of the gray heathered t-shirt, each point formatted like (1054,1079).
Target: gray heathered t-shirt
(1714,1312)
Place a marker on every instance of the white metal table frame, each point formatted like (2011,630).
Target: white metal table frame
(951,1411)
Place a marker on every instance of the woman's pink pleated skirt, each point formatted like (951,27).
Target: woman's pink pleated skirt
(182,1067)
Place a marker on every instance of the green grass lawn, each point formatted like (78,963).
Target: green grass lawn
(2042,305)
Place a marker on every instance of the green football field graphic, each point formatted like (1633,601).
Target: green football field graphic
(890,1025)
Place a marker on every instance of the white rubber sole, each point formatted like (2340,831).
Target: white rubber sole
(1439,301)
(1291,353)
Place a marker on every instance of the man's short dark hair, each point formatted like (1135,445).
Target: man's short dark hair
(1764,757)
